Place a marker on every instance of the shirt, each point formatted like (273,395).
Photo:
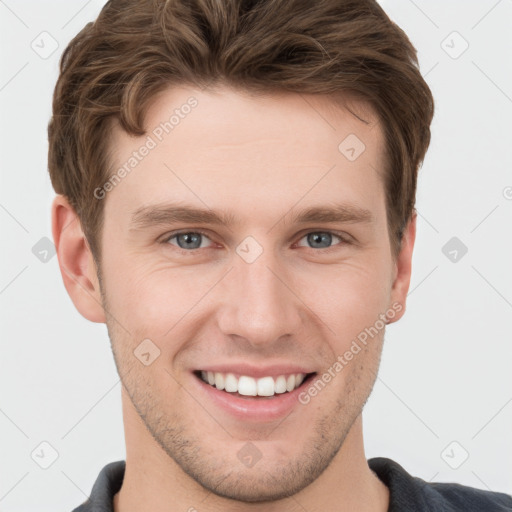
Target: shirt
(406,493)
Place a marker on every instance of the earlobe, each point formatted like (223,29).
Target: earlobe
(76,262)
(403,269)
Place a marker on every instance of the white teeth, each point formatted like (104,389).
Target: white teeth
(249,386)
(280,386)
(219,381)
(231,383)
(290,383)
(265,386)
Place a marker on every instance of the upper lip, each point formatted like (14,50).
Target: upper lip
(257,372)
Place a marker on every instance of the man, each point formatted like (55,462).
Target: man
(236,185)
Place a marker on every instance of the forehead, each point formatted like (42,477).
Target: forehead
(223,116)
(210,146)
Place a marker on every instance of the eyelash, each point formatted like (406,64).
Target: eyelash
(344,240)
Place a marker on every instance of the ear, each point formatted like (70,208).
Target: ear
(403,267)
(76,262)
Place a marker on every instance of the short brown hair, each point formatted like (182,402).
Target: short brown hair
(114,67)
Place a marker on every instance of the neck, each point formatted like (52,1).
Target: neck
(153,480)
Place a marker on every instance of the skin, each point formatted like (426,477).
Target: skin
(295,304)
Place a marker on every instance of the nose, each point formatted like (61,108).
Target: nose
(259,303)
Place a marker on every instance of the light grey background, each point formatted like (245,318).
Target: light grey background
(444,389)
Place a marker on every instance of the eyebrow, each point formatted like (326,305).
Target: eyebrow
(162,214)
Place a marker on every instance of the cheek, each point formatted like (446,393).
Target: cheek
(150,299)
(349,298)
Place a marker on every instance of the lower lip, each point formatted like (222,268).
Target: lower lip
(259,409)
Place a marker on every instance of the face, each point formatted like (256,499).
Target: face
(287,265)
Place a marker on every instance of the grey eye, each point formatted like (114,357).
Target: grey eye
(188,240)
(320,239)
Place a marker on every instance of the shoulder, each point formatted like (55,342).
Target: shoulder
(412,493)
(107,484)
(468,498)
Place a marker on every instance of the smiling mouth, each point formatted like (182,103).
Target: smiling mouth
(249,387)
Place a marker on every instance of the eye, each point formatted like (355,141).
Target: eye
(321,239)
(192,240)
(188,239)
